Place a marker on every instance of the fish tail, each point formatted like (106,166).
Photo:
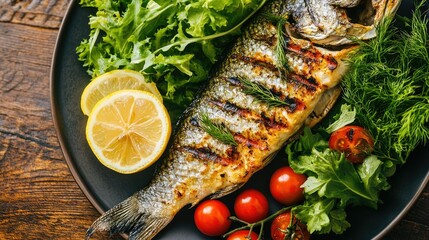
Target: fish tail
(128,217)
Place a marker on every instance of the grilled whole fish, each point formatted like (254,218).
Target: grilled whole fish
(198,165)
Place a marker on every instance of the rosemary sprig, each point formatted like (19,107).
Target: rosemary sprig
(262,94)
(216,130)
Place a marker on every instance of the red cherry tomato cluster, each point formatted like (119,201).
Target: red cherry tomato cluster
(285,187)
(354,141)
(212,216)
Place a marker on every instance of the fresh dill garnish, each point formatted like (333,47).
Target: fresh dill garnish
(389,81)
(216,130)
(281,46)
(282,40)
(262,93)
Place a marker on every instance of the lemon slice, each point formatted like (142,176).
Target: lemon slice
(128,130)
(113,81)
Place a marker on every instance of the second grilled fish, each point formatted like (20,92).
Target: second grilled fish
(198,165)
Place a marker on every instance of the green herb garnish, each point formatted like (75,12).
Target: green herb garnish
(263,94)
(333,182)
(282,40)
(389,81)
(281,46)
(388,86)
(346,116)
(216,130)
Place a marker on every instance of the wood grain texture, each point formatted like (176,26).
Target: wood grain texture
(47,14)
(39,198)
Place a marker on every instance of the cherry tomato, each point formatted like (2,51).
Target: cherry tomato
(243,235)
(280,228)
(285,186)
(212,218)
(251,206)
(354,141)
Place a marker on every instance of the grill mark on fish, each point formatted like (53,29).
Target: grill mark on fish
(292,104)
(205,154)
(233,122)
(258,144)
(201,139)
(231,91)
(269,123)
(256,61)
(309,83)
(312,55)
(269,40)
(271,115)
(248,137)
(229,107)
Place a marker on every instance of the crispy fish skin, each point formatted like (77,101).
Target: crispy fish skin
(198,165)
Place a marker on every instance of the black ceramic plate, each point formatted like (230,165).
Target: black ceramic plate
(105,188)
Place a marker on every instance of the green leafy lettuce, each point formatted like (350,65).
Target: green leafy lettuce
(173,43)
(333,183)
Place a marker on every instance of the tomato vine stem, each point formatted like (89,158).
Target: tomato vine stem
(260,223)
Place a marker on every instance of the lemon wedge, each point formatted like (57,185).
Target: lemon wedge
(113,81)
(128,130)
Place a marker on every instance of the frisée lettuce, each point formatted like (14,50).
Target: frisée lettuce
(173,43)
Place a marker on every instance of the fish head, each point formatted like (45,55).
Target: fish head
(338,22)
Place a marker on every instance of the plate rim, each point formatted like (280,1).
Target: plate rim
(84,187)
(54,105)
(405,210)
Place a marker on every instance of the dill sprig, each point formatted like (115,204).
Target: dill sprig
(281,45)
(280,53)
(262,93)
(389,81)
(216,130)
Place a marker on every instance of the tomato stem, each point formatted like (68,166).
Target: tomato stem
(260,223)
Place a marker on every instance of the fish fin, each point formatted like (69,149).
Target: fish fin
(226,191)
(128,217)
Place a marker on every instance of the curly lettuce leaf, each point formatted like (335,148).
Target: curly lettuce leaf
(322,215)
(333,183)
(173,43)
(346,116)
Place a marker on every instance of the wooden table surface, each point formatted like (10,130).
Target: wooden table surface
(39,199)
